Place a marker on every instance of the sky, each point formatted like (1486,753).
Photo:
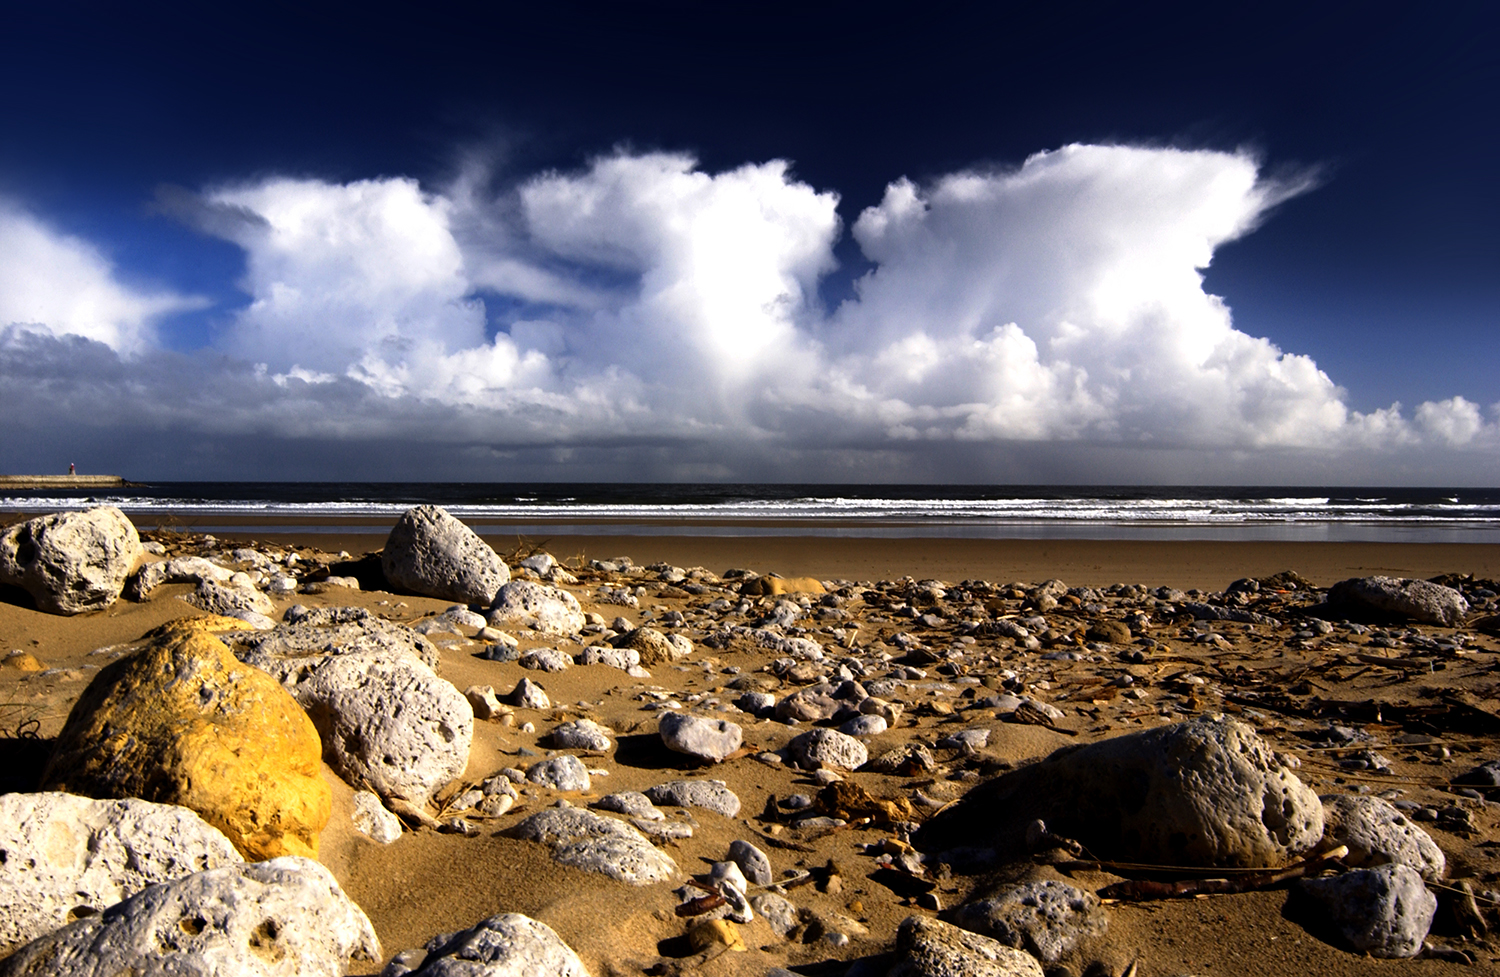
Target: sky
(1093,243)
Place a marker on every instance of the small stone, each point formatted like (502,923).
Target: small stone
(1378,834)
(1049,919)
(932,948)
(861,726)
(716,932)
(565,772)
(753,862)
(631,803)
(371,818)
(582,734)
(1385,911)
(506,945)
(545,660)
(711,795)
(528,695)
(595,843)
(967,740)
(707,739)
(483,700)
(828,746)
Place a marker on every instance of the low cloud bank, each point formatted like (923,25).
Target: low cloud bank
(641,314)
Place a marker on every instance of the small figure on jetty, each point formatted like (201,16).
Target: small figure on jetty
(72,469)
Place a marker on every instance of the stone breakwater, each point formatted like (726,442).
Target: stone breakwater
(914,777)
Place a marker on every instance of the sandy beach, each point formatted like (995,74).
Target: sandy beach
(429,883)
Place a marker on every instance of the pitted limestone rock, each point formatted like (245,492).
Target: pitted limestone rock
(283,918)
(595,843)
(433,554)
(71,562)
(1204,792)
(67,856)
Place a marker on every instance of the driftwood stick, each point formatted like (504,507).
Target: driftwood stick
(1139,890)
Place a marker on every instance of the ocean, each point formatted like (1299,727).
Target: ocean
(1301,514)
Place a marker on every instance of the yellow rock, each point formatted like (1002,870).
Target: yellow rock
(183,722)
(776,586)
(207,623)
(23,661)
(716,932)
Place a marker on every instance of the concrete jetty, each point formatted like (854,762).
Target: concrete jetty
(60,481)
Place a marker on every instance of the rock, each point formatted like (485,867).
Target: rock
(622,658)
(71,562)
(286,917)
(372,818)
(707,739)
(183,722)
(631,803)
(1383,911)
(1419,600)
(595,843)
(932,948)
(752,862)
(651,645)
(711,795)
(528,695)
(1048,919)
(483,701)
(387,721)
(433,554)
(506,945)
(778,912)
(1112,632)
(715,933)
(828,747)
(1378,834)
(312,631)
(968,740)
(67,856)
(565,772)
(545,660)
(181,569)
(540,563)
(867,725)
(777,586)
(1204,792)
(809,705)
(582,734)
(245,603)
(550,610)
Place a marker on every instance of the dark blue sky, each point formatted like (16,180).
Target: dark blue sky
(1385,273)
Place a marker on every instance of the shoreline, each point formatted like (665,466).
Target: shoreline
(1182,563)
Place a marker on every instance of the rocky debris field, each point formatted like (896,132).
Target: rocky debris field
(233,758)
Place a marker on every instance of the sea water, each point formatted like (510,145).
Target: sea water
(1426,515)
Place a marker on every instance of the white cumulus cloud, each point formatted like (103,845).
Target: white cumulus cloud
(60,284)
(643,305)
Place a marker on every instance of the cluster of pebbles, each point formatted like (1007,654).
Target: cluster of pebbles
(914,777)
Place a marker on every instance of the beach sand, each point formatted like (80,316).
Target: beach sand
(429,883)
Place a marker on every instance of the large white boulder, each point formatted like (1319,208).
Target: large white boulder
(71,562)
(283,918)
(433,554)
(1207,792)
(1420,600)
(386,720)
(68,856)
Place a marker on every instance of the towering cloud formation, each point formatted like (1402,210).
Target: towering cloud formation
(61,285)
(642,299)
